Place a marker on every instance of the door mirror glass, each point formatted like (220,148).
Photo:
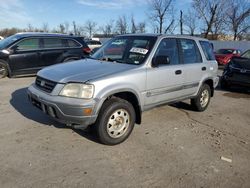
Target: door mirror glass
(160,60)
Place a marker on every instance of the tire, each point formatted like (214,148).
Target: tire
(115,121)
(202,100)
(3,70)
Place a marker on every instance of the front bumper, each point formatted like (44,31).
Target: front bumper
(69,111)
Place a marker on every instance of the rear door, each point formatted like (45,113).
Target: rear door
(164,83)
(194,68)
(25,58)
(53,50)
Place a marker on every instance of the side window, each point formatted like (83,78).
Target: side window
(190,51)
(28,44)
(168,47)
(53,43)
(73,44)
(207,49)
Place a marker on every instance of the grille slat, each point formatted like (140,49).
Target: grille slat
(45,84)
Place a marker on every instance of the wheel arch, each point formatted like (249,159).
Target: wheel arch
(132,98)
(8,67)
(210,83)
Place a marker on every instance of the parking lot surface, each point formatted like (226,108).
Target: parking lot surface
(173,147)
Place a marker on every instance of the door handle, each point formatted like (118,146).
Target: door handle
(178,72)
(204,68)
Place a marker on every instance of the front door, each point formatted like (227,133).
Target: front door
(164,83)
(25,56)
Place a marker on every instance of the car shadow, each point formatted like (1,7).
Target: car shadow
(183,105)
(20,102)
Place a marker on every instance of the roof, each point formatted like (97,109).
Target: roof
(164,36)
(30,34)
(143,34)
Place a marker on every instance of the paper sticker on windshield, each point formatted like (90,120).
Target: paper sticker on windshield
(139,50)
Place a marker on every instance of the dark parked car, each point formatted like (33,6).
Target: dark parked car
(223,56)
(27,53)
(237,72)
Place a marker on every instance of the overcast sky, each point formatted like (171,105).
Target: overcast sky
(20,13)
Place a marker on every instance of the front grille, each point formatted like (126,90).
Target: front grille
(44,84)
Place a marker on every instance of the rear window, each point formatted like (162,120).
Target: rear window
(53,43)
(207,49)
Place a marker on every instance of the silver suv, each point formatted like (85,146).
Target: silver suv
(128,75)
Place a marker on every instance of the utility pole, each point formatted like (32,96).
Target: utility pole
(181,22)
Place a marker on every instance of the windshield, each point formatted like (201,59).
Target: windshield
(126,49)
(225,51)
(9,40)
(246,54)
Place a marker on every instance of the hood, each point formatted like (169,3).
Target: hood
(82,70)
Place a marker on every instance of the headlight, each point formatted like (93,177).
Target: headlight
(77,90)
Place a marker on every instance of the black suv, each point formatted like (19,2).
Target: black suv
(26,53)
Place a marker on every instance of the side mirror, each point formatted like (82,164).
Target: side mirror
(13,49)
(160,60)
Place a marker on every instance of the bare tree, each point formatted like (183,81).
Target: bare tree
(142,27)
(159,10)
(66,27)
(61,28)
(122,25)
(107,29)
(90,28)
(238,17)
(181,22)
(45,27)
(211,12)
(30,28)
(74,28)
(171,27)
(190,21)
(133,25)
(9,31)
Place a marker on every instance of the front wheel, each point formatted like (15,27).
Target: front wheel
(201,102)
(115,121)
(3,70)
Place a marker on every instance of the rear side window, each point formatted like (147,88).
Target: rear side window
(53,43)
(73,44)
(28,44)
(190,51)
(207,49)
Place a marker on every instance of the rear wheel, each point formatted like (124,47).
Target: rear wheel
(201,102)
(115,121)
(3,70)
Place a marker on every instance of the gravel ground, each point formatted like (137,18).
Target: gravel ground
(173,147)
